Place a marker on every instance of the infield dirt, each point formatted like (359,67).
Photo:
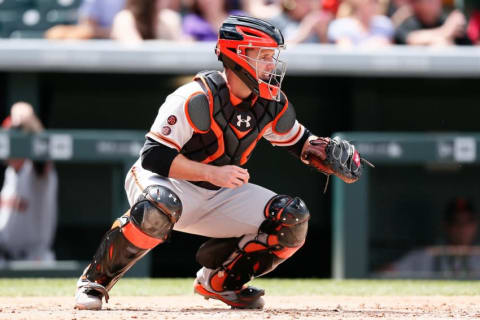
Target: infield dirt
(277,307)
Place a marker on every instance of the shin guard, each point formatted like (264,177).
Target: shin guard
(147,224)
(235,262)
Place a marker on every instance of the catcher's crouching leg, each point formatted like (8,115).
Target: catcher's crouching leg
(147,224)
(230,263)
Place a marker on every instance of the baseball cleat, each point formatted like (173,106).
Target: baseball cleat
(245,298)
(89,295)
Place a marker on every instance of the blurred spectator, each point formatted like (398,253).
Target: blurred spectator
(95,21)
(303,21)
(429,25)
(262,9)
(146,19)
(398,11)
(457,256)
(473,29)
(363,28)
(206,17)
(28,198)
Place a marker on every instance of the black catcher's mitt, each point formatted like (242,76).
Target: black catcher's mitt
(334,156)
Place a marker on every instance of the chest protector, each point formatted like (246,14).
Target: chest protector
(227,134)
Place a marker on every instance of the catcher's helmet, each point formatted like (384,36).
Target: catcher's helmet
(238,34)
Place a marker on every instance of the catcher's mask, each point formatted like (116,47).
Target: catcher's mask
(260,69)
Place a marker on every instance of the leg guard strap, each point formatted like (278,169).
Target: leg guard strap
(138,238)
(98,288)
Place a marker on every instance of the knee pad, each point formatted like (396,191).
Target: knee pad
(286,224)
(152,217)
(237,260)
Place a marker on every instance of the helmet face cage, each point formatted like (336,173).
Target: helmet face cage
(269,70)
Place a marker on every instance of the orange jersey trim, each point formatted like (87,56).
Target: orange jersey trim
(169,141)
(134,174)
(289,140)
(188,115)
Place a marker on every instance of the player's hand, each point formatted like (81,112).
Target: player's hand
(455,24)
(21,113)
(229,176)
(23,116)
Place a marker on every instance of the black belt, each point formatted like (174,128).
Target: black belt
(205,185)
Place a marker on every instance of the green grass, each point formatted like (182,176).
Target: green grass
(288,287)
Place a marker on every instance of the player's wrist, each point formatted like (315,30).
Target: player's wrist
(305,147)
(207,173)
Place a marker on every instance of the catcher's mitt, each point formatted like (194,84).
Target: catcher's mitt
(334,156)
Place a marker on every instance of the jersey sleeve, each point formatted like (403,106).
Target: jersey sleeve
(171,126)
(285,129)
(290,138)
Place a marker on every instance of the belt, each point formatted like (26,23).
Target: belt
(205,185)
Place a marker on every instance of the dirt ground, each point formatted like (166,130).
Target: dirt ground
(277,307)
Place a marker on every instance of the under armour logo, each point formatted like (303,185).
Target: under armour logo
(246,121)
(173,197)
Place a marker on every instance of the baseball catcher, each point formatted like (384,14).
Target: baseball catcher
(190,175)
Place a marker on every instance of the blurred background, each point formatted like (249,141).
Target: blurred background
(81,82)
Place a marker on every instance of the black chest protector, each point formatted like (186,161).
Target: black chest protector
(227,134)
